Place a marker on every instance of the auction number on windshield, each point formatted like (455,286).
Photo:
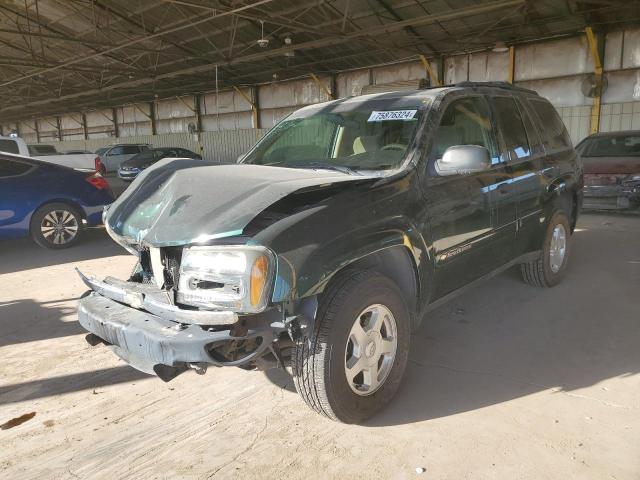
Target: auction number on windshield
(392,115)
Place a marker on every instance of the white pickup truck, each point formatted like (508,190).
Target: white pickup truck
(48,153)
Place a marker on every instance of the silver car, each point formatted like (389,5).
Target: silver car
(112,156)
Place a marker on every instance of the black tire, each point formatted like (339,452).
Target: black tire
(539,272)
(50,238)
(318,360)
(103,170)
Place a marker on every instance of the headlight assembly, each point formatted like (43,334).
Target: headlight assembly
(236,278)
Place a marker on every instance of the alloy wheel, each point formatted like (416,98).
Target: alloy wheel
(371,349)
(557,248)
(59,227)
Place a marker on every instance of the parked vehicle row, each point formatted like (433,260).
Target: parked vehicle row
(129,169)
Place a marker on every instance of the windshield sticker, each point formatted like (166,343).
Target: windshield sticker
(392,115)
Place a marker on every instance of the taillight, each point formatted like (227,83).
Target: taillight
(98,164)
(97,181)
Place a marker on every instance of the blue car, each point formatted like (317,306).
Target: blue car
(48,202)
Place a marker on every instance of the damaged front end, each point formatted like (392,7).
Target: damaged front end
(197,298)
(144,325)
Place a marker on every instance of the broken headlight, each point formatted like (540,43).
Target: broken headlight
(236,278)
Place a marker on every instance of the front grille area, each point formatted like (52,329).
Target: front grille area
(172,257)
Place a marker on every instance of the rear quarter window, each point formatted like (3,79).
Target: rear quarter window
(554,134)
(130,150)
(9,146)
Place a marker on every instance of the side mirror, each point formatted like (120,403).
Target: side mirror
(462,160)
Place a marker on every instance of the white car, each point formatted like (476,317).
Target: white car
(48,153)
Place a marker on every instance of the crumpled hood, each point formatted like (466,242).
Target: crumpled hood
(177,202)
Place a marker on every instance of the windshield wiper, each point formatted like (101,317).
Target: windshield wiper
(323,165)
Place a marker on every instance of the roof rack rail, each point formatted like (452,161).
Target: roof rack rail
(505,85)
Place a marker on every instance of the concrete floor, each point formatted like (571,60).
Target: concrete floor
(506,382)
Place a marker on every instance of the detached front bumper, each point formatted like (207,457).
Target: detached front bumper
(144,329)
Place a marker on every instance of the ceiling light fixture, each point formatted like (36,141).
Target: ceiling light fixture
(500,47)
(263,42)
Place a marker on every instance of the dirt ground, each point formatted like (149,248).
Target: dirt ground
(505,382)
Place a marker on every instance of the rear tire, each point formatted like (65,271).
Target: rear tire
(352,363)
(56,225)
(550,267)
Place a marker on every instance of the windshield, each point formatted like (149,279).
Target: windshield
(369,135)
(100,151)
(614,146)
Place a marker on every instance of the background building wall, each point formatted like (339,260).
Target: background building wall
(556,69)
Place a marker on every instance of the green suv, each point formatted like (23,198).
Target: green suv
(332,238)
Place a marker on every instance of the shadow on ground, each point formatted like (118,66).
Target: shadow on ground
(504,339)
(45,321)
(23,254)
(52,386)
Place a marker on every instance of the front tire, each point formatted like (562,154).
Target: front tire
(352,363)
(550,267)
(56,225)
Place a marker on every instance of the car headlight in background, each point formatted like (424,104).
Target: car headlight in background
(236,278)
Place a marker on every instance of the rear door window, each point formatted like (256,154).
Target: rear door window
(10,168)
(554,133)
(532,132)
(9,146)
(516,143)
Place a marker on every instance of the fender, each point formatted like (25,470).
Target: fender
(298,277)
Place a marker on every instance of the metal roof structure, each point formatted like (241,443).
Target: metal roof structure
(70,55)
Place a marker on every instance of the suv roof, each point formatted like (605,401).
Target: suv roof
(430,92)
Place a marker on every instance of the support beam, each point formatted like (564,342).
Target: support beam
(85,129)
(58,124)
(154,130)
(35,125)
(196,101)
(597,50)
(114,114)
(512,64)
(255,117)
(189,107)
(433,76)
(322,86)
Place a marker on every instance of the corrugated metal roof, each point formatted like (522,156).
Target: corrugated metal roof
(68,56)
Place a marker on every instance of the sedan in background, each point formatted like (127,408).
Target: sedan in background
(50,203)
(132,167)
(611,164)
(112,156)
